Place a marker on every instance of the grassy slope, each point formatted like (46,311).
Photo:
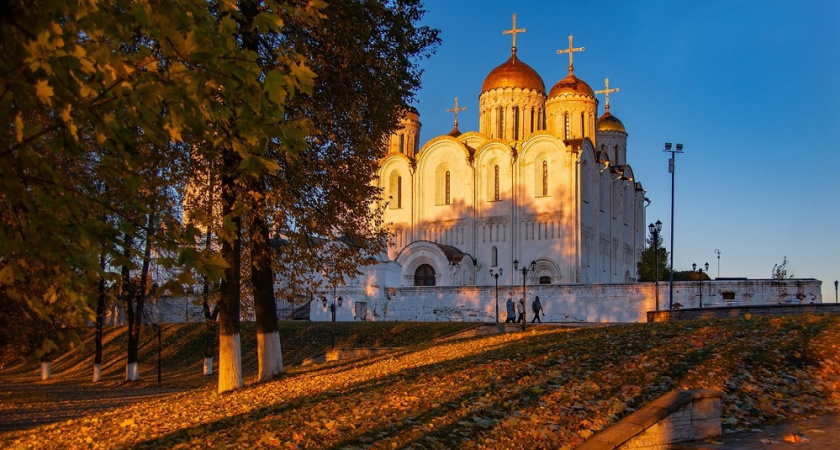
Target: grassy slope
(182,355)
(547,388)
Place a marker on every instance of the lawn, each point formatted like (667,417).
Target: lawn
(550,387)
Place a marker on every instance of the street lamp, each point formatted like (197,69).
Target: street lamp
(654,231)
(671,167)
(525,270)
(496,275)
(700,271)
(333,307)
(836,283)
(717,252)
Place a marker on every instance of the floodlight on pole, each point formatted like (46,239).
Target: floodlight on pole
(671,168)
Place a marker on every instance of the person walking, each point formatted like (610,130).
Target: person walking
(537,308)
(511,311)
(520,307)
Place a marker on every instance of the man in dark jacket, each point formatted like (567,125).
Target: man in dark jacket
(537,307)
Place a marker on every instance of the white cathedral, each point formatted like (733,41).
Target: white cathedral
(543,180)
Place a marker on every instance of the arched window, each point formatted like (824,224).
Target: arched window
(501,123)
(402,143)
(442,185)
(515,123)
(395,191)
(424,276)
(399,192)
(545,280)
(532,119)
(582,126)
(566,124)
(545,177)
(494,257)
(496,183)
(616,155)
(448,197)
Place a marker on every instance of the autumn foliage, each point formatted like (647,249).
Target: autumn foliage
(552,387)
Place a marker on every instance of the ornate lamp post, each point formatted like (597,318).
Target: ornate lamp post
(671,167)
(496,276)
(332,314)
(654,231)
(700,271)
(525,270)
(717,252)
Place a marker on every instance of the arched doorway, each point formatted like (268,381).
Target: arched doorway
(424,276)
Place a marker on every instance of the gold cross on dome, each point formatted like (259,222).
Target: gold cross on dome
(570,50)
(606,91)
(513,31)
(456,109)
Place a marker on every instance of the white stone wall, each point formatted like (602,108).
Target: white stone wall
(598,303)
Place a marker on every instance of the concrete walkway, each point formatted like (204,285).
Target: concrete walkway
(822,432)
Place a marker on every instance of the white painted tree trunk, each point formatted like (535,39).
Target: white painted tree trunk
(45,370)
(269,355)
(132,372)
(208,366)
(97,372)
(230,362)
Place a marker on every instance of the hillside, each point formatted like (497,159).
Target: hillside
(551,387)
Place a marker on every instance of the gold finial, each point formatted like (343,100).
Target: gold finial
(570,50)
(606,91)
(456,109)
(513,31)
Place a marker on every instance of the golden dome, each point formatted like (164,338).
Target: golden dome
(609,122)
(513,73)
(571,85)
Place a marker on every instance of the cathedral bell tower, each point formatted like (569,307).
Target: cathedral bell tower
(571,107)
(512,100)
(406,139)
(612,136)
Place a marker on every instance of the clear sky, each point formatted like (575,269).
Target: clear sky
(751,88)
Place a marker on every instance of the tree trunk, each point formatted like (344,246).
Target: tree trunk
(230,356)
(45,368)
(131,369)
(269,354)
(100,319)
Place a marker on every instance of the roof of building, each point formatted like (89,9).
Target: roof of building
(513,73)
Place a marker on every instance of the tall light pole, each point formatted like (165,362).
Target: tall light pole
(525,270)
(496,275)
(836,283)
(700,277)
(332,314)
(717,252)
(654,231)
(671,167)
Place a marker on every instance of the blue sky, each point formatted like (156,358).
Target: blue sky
(751,88)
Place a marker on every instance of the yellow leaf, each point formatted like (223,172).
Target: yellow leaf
(174,131)
(19,127)
(65,112)
(44,92)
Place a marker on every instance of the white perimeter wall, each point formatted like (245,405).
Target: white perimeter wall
(565,303)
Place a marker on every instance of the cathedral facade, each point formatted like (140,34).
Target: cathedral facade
(544,180)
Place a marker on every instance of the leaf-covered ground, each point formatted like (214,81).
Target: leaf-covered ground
(551,387)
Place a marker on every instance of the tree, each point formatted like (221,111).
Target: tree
(781,271)
(647,263)
(123,77)
(363,54)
